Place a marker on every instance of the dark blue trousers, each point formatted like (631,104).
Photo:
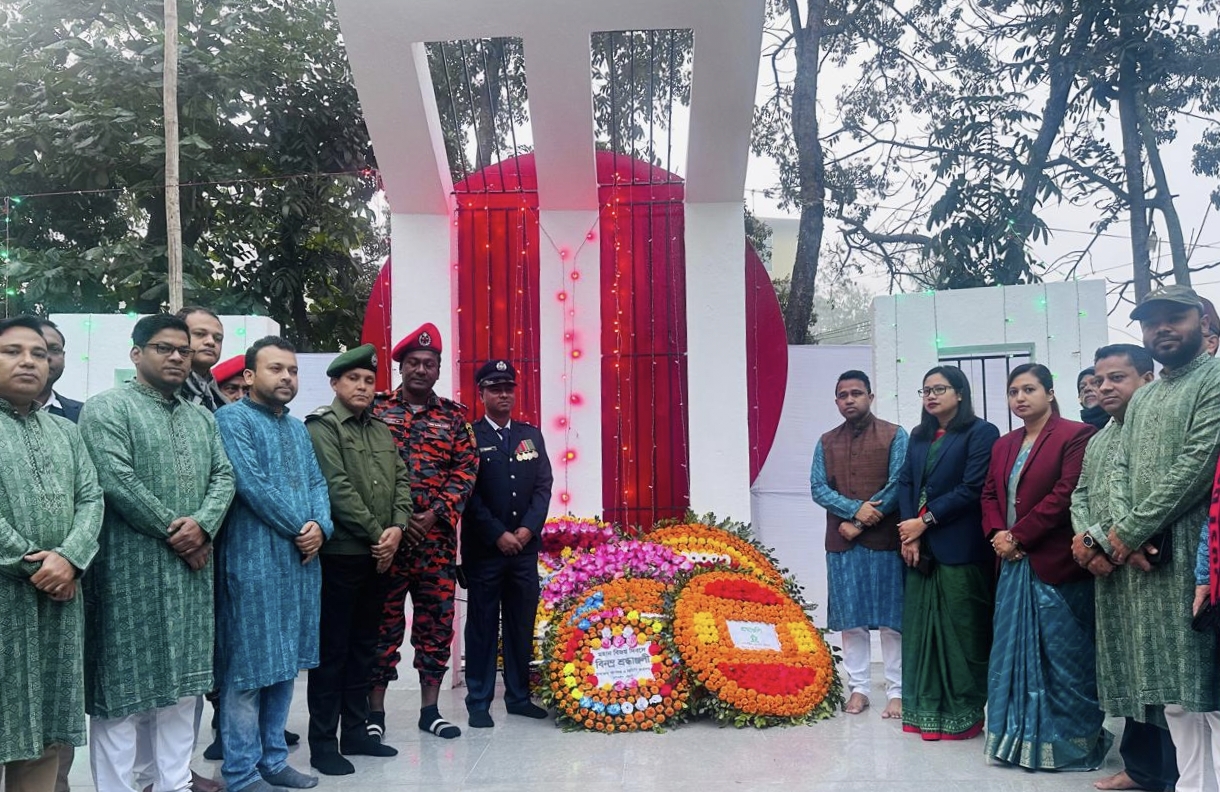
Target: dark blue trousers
(1148,753)
(503,599)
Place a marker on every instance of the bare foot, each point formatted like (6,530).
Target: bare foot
(1117,781)
(856,703)
(893,709)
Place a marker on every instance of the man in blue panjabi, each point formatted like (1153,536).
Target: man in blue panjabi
(269,578)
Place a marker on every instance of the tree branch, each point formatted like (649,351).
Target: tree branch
(1090,174)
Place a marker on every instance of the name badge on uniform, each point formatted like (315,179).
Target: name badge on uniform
(526,451)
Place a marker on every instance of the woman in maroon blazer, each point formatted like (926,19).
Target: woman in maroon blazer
(1042,711)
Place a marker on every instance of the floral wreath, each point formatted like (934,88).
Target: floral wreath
(575,533)
(610,666)
(610,562)
(710,546)
(754,650)
(582,571)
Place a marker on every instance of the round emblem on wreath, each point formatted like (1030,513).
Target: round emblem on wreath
(425,339)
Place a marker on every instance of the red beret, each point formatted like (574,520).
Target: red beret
(426,337)
(228,369)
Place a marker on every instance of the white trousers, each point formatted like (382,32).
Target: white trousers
(170,734)
(858,658)
(1193,734)
(146,767)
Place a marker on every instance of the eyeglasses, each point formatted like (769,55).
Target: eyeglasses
(935,390)
(165,350)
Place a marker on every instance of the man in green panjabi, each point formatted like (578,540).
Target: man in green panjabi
(149,597)
(50,515)
(1160,495)
(1146,748)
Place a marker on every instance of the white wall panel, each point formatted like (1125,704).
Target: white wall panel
(99,345)
(716,360)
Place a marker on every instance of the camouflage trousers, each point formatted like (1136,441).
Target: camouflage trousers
(427,574)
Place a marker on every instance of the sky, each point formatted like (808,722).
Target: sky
(1108,258)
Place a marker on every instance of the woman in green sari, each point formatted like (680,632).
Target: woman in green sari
(946,622)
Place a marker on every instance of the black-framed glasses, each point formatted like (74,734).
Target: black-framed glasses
(165,350)
(935,390)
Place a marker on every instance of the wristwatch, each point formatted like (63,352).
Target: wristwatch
(1088,541)
(859,525)
(928,519)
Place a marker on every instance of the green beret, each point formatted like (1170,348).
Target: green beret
(362,357)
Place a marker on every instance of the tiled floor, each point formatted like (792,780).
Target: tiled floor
(846,754)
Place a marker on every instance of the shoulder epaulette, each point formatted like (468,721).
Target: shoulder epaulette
(318,413)
(451,404)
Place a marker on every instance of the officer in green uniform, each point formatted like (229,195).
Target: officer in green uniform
(370,499)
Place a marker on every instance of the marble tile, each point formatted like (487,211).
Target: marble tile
(846,754)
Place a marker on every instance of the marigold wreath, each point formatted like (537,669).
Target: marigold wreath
(708,546)
(753,651)
(610,666)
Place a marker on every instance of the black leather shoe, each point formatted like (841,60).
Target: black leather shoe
(529,710)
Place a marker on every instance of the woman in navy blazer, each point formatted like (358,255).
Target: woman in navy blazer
(946,622)
(1042,710)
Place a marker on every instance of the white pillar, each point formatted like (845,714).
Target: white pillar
(422,287)
(717,403)
(580,313)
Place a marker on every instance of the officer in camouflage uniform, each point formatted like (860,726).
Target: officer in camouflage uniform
(437,444)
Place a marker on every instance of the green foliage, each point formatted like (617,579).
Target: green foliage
(758,235)
(267,105)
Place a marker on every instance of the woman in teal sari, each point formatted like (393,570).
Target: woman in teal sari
(946,618)
(1042,710)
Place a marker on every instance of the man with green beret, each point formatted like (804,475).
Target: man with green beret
(370,499)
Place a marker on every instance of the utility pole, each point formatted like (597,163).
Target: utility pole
(173,209)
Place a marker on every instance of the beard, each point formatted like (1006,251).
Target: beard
(1191,346)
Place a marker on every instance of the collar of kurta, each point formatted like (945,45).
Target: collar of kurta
(264,408)
(7,408)
(1202,359)
(859,426)
(153,393)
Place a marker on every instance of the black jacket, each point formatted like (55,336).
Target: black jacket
(954,487)
(513,490)
(70,409)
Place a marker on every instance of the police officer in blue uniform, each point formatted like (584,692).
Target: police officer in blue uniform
(501,530)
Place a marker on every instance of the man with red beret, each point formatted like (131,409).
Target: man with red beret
(230,378)
(437,443)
